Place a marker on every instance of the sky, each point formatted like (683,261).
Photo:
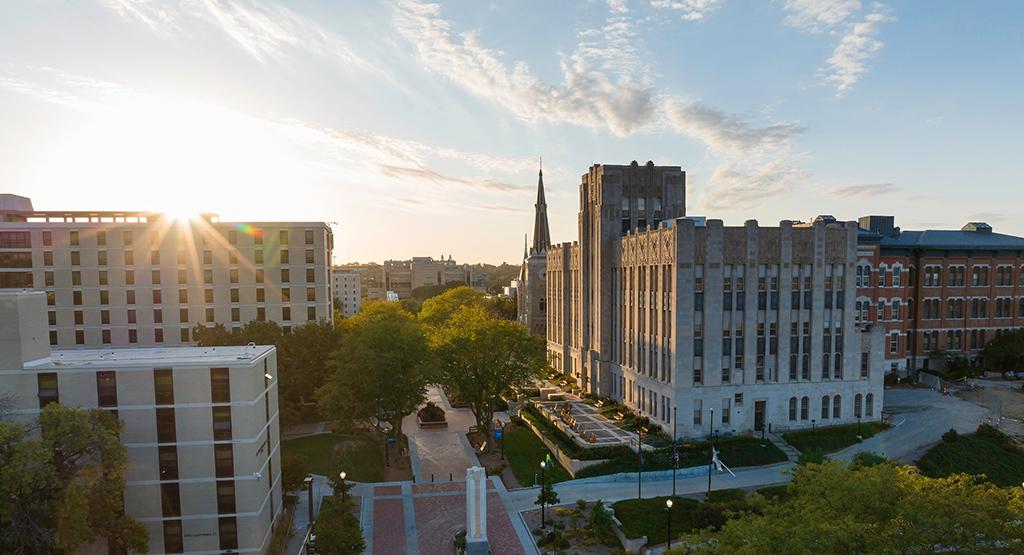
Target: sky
(417,128)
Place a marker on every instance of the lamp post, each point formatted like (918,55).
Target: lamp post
(503,440)
(668,509)
(343,488)
(859,436)
(814,428)
(711,449)
(543,497)
(639,456)
(309,489)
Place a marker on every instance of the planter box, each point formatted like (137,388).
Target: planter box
(435,424)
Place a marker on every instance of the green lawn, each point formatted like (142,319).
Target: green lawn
(524,451)
(832,438)
(734,452)
(986,451)
(327,454)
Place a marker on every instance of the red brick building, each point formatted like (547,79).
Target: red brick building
(937,290)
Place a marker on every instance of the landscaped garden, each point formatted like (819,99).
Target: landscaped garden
(326,454)
(832,438)
(735,452)
(987,451)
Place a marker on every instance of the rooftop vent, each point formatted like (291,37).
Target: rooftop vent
(977,227)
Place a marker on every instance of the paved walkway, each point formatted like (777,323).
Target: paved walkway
(321,489)
(440,452)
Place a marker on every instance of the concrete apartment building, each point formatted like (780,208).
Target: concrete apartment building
(201,427)
(134,278)
(739,328)
(347,291)
(948,291)
(402,276)
(371,279)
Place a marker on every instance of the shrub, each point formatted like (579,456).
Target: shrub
(812,456)
(951,436)
(600,521)
(460,543)
(431,413)
(866,459)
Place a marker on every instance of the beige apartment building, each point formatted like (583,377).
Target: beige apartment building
(135,278)
(347,291)
(200,426)
(737,329)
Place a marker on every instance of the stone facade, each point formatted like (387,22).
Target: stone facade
(752,325)
(531,291)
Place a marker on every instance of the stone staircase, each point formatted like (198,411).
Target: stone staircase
(791,453)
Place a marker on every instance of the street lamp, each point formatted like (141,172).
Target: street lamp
(639,455)
(668,509)
(543,497)
(503,440)
(711,449)
(859,436)
(813,427)
(343,488)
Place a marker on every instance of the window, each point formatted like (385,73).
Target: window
(106,388)
(79,337)
(309,256)
(726,410)
(259,276)
(792,408)
(309,236)
(76,277)
(105,336)
(233,237)
(184,334)
(182,277)
(168,462)
(233,257)
(285,275)
(869,404)
(209,316)
(310,294)
(183,315)
(836,406)
(698,409)
(47,258)
(207,277)
(101,258)
(257,236)
(47,238)
(225,496)
(228,530)
(157,296)
(221,423)
(236,315)
(311,313)
(220,385)
(233,275)
(76,297)
(286,313)
(284,256)
(158,335)
(48,278)
(154,258)
(172,537)
(805,406)
(170,497)
(76,258)
(128,238)
(183,296)
(79,317)
(163,386)
(53,337)
(166,430)
(864,364)
(51,318)
(824,407)
(207,257)
(224,460)
(208,295)
(73,238)
(857,400)
(48,391)
(283,234)
(129,258)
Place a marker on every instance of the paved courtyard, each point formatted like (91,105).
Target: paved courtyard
(440,452)
(590,423)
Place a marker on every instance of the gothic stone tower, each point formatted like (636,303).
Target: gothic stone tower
(531,291)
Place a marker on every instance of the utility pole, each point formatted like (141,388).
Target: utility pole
(711,449)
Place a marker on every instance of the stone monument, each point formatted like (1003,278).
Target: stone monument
(476,512)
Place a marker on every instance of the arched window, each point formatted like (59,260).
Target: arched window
(792,408)
(805,370)
(856,405)
(824,407)
(824,365)
(860,276)
(805,408)
(836,407)
(838,374)
(869,404)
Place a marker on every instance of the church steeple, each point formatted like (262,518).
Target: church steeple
(541,234)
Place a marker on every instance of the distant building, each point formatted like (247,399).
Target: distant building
(530,289)
(347,291)
(371,279)
(738,329)
(201,427)
(141,278)
(945,292)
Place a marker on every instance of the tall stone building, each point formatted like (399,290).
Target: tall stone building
(530,288)
(736,328)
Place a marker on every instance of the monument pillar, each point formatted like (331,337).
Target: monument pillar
(476,512)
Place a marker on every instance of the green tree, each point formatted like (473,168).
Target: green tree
(302,359)
(294,469)
(482,359)
(1005,353)
(65,488)
(384,370)
(600,521)
(216,335)
(547,495)
(884,508)
(502,307)
(337,529)
(438,311)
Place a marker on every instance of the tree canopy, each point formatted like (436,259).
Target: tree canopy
(383,370)
(482,358)
(440,309)
(65,488)
(883,508)
(1005,352)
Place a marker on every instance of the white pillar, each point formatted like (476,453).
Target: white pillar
(476,511)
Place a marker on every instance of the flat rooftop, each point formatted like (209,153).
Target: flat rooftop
(150,357)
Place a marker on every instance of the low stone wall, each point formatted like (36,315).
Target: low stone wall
(930,380)
(629,545)
(688,472)
(571,464)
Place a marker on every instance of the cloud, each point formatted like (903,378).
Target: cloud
(865,190)
(689,10)
(618,6)
(604,85)
(849,60)
(443,179)
(734,186)
(816,16)
(266,32)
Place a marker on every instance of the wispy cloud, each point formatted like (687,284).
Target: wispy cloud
(618,6)
(439,178)
(849,60)
(733,186)
(689,10)
(266,32)
(865,190)
(603,84)
(816,16)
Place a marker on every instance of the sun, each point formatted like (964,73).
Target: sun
(180,214)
